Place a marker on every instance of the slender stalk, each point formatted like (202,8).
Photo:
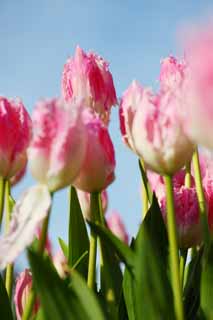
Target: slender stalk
(2,196)
(173,249)
(91,278)
(188,175)
(200,196)
(144,194)
(9,269)
(41,246)
(183,256)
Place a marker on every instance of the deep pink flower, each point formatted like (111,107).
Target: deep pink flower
(115,224)
(22,290)
(130,102)
(198,89)
(59,143)
(158,133)
(187,216)
(97,171)
(86,77)
(84,199)
(19,176)
(172,73)
(15,135)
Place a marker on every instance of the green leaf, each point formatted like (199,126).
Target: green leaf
(78,237)
(152,288)
(40,315)
(86,297)
(5,308)
(123,251)
(145,182)
(192,287)
(56,299)
(64,247)
(207,282)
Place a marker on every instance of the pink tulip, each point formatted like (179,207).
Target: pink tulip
(59,143)
(117,227)
(19,176)
(130,102)
(158,133)
(172,73)
(97,171)
(15,135)
(22,290)
(84,199)
(60,263)
(198,89)
(187,216)
(86,77)
(48,245)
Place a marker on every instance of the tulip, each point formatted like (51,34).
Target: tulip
(197,96)
(158,133)
(48,245)
(172,73)
(97,171)
(15,135)
(19,176)
(59,143)
(84,200)
(22,291)
(130,102)
(187,216)
(117,227)
(86,77)
(61,264)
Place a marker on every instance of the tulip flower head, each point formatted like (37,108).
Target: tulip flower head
(58,145)
(115,224)
(158,133)
(15,135)
(61,264)
(22,291)
(97,171)
(86,77)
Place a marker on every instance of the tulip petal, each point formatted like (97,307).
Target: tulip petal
(27,214)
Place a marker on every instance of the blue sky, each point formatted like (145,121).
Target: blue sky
(36,38)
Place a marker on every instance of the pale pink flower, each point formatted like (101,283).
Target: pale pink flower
(97,171)
(187,216)
(59,143)
(158,133)
(130,102)
(198,89)
(172,73)
(27,214)
(61,264)
(48,244)
(86,77)
(84,200)
(22,291)
(15,135)
(116,225)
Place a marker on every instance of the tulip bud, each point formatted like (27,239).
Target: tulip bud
(86,77)
(158,133)
(172,73)
(60,263)
(130,101)
(116,225)
(15,135)
(22,291)
(187,216)
(58,145)
(97,171)
(84,199)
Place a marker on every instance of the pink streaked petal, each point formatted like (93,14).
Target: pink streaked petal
(27,214)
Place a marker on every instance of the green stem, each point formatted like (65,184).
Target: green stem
(173,249)
(201,196)
(2,196)
(9,269)
(183,256)
(41,246)
(91,278)
(188,175)
(144,194)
